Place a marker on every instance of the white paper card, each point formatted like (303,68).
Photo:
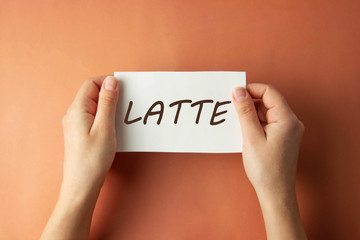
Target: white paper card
(217,129)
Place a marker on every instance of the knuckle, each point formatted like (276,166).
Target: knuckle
(89,80)
(271,87)
(295,125)
(291,122)
(73,108)
(63,120)
(301,126)
(246,107)
(108,100)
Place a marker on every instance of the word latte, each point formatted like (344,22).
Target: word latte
(158,107)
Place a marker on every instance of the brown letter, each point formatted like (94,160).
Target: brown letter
(215,114)
(200,103)
(150,112)
(128,113)
(179,107)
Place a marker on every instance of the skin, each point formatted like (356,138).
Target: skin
(90,146)
(272,136)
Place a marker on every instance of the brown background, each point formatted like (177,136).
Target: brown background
(308,49)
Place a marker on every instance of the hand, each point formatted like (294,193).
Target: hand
(90,146)
(272,135)
(271,140)
(89,135)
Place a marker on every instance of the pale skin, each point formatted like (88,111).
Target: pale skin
(272,136)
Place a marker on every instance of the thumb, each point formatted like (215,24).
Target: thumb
(249,121)
(108,98)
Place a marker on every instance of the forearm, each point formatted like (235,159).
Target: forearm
(71,218)
(281,216)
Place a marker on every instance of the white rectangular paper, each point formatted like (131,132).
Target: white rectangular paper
(146,88)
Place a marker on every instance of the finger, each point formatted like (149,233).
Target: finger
(87,97)
(261,111)
(270,96)
(106,110)
(249,121)
(278,108)
(82,111)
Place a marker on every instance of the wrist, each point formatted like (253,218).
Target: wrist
(276,194)
(79,192)
(279,201)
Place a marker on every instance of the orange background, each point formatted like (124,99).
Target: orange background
(308,49)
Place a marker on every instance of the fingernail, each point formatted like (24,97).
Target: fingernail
(110,83)
(239,93)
